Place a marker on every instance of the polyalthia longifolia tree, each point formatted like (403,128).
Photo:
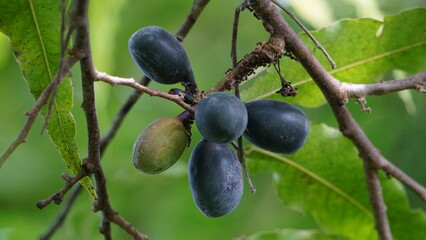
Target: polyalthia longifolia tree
(217,164)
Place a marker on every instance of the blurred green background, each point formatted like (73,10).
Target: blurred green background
(161,206)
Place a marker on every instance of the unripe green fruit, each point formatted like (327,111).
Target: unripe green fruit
(160,145)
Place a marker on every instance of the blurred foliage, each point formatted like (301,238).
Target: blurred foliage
(161,206)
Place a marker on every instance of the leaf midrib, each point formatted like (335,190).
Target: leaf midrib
(46,61)
(318,178)
(349,66)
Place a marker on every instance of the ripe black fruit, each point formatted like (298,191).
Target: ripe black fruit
(160,56)
(276,126)
(221,117)
(215,178)
(159,145)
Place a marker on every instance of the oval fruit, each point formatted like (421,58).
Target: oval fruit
(159,145)
(276,126)
(215,178)
(221,117)
(160,56)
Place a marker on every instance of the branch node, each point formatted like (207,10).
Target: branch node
(88,165)
(66,177)
(96,206)
(59,195)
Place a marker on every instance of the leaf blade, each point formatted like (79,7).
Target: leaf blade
(33,30)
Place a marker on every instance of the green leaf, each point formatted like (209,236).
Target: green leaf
(363,49)
(292,234)
(33,28)
(326,179)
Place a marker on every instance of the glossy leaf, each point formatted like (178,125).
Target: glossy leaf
(33,28)
(363,49)
(292,234)
(326,179)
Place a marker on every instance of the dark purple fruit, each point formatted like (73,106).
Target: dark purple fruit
(160,56)
(215,178)
(159,145)
(221,117)
(276,126)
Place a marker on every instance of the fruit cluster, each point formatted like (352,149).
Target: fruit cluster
(215,175)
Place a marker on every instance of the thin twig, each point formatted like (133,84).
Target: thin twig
(58,196)
(121,114)
(32,115)
(242,160)
(63,214)
(104,77)
(317,44)
(196,10)
(266,53)
(240,150)
(352,90)
(238,9)
(126,226)
(397,173)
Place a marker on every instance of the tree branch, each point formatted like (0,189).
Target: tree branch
(121,114)
(317,44)
(265,54)
(397,173)
(197,8)
(377,202)
(94,139)
(351,90)
(32,115)
(104,77)
(58,196)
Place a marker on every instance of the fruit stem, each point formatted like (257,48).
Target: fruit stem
(242,161)
(187,120)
